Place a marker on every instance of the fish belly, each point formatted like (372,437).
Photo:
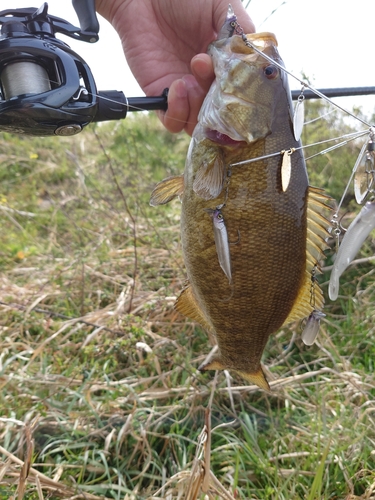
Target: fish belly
(267,243)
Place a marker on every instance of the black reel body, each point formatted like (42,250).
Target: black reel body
(45,87)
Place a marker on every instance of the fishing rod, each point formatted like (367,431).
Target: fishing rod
(48,89)
(335,92)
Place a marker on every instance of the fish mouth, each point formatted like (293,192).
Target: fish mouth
(216,122)
(221,138)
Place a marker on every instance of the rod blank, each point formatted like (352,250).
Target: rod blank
(340,92)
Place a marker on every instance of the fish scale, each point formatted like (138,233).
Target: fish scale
(247,281)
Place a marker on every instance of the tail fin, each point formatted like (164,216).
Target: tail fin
(256,378)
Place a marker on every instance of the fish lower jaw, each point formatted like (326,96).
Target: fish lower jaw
(222,139)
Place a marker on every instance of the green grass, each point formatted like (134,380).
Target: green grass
(100,372)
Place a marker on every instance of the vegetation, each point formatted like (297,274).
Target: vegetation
(100,397)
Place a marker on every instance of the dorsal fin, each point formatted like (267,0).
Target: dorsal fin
(187,305)
(317,232)
(317,226)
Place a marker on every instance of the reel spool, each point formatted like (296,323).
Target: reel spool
(24,77)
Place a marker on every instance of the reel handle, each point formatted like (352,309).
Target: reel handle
(86,13)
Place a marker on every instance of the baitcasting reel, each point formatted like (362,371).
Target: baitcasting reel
(45,87)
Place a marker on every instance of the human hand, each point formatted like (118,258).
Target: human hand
(165,43)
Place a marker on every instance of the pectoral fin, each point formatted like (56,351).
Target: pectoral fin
(166,190)
(210,177)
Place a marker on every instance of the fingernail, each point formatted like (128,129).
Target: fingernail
(179,88)
(190,82)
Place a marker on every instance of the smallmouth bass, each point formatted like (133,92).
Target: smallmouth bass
(252,234)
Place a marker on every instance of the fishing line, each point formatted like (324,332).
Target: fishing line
(130,106)
(84,91)
(349,137)
(240,32)
(317,92)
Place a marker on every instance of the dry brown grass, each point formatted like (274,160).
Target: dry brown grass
(100,393)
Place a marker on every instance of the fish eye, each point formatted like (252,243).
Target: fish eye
(271,72)
(219,216)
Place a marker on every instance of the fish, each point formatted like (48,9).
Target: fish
(247,115)
(221,240)
(312,327)
(364,170)
(229,25)
(354,237)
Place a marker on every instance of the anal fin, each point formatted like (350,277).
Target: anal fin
(303,306)
(166,190)
(187,305)
(213,364)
